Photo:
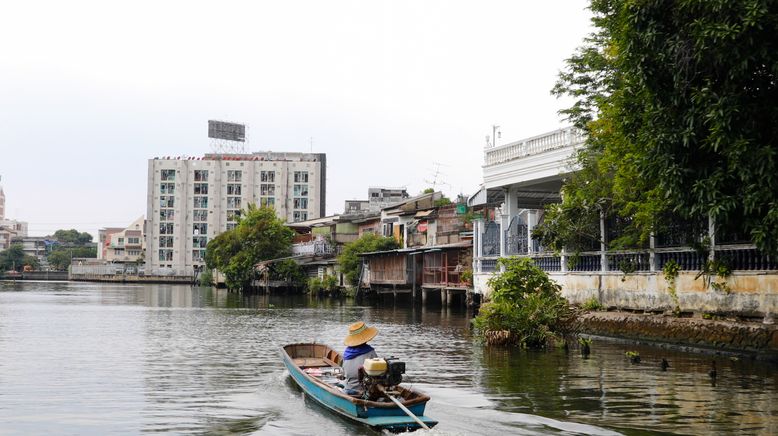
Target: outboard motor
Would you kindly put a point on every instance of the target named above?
(385, 372)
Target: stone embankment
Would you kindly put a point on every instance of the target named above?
(756, 339)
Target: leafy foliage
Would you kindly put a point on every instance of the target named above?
(349, 260)
(259, 235)
(72, 237)
(526, 303)
(289, 271)
(680, 105)
(14, 259)
(59, 258)
(205, 277)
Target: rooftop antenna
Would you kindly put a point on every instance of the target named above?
(436, 175)
(311, 141)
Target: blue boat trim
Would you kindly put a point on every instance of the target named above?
(374, 414)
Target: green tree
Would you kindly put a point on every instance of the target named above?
(679, 101)
(72, 237)
(289, 271)
(59, 259)
(259, 235)
(13, 259)
(349, 260)
(525, 308)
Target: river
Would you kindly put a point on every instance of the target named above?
(89, 358)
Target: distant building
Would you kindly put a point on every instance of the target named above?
(190, 201)
(123, 245)
(9, 229)
(2, 204)
(380, 197)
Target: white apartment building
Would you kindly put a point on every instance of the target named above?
(191, 200)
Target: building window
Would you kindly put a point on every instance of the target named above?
(165, 242)
(166, 214)
(267, 176)
(167, 175)
(121, 241)
(200, 229)
(166, 201)
(201, 189)
(133, 241)
(167, 188)
(165, 255)
(301, 176)
(300, 190)
(267, 201)
(301, 203)
(231, 226)
(267, 189)
(199, 215)
(165, 228)
(198, 255)
(299, 216)
(233, 189)
(199, 241)
(201, 202)
(233, 202)
(200, 175)
(233, 215)
(234, 175)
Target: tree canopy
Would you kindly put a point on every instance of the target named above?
(72, 237)
(259, 235)
(14, 259)
(679, 101)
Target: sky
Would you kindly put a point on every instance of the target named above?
(391, 91)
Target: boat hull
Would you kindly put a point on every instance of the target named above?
(384, 416)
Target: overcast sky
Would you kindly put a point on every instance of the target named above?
(89, 91)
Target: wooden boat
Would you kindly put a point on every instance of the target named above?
(314, 367)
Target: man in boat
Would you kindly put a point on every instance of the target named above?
(357, 350)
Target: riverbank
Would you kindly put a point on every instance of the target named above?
(722, 336)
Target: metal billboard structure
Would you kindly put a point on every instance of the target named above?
(226, 137)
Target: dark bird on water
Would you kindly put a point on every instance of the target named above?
(665, 364)
(713, 373)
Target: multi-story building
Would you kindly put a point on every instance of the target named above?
(125, 245)
(9, 229)
(190, 201)
(2, 204)
(380, 197)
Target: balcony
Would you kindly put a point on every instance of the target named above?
(313, 248)
(541, 157)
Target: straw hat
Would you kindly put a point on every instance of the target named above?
(359, 333)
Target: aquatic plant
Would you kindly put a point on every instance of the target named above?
(592, 304)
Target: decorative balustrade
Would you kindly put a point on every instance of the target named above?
(568, 137)
(735, 257)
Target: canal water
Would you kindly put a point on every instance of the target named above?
(82, 358)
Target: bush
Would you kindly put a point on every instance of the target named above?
(526, 307)
(206, 277)
(592, 304)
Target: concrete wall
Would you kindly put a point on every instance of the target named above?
(751, 293)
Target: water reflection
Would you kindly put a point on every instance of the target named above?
(99, 358)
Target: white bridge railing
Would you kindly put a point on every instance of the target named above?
(567, 137)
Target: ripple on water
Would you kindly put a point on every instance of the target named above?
(94, 358)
